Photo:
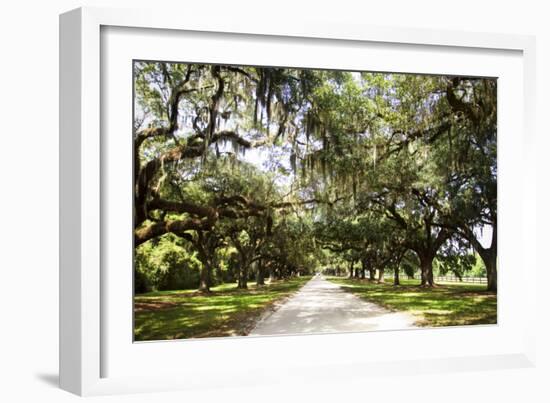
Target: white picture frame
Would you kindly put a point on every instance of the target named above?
(84, 340)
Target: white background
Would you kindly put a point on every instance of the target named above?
(28, 200)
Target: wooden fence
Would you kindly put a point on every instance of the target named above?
(452, 279)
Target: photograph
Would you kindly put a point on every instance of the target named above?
(275, 200)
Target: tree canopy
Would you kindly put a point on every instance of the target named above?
(252, 171)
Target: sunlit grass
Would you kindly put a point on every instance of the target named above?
(448, 304)
(227, 311)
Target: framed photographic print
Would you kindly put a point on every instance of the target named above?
(264, 193)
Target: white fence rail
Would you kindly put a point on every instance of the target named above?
(452, 279)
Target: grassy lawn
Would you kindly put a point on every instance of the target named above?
(227, 311)
(448, 304)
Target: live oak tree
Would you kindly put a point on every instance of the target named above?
(371, 163)
(206, 243)
(447, 130)
(248, 241)
(459, 135)
(406, 204)
(187, 115)
(474, 159)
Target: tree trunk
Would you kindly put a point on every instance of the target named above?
(260, 273)
(243, 275)
(242, 283)
(351, 270)
(488, 255)
(490, 261)
(426, 270)
(204, 284)
(396, 276)
(206, 264)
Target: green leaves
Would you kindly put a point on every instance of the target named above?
(387, 159)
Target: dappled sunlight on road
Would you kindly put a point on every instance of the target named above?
(321, 306)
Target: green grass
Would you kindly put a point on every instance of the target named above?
(448, 304)
(226, 311)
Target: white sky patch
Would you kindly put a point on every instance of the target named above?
(257, 156)
(266, 160)
(356, 76)
(485, 235)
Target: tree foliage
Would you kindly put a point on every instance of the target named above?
(257, 171)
